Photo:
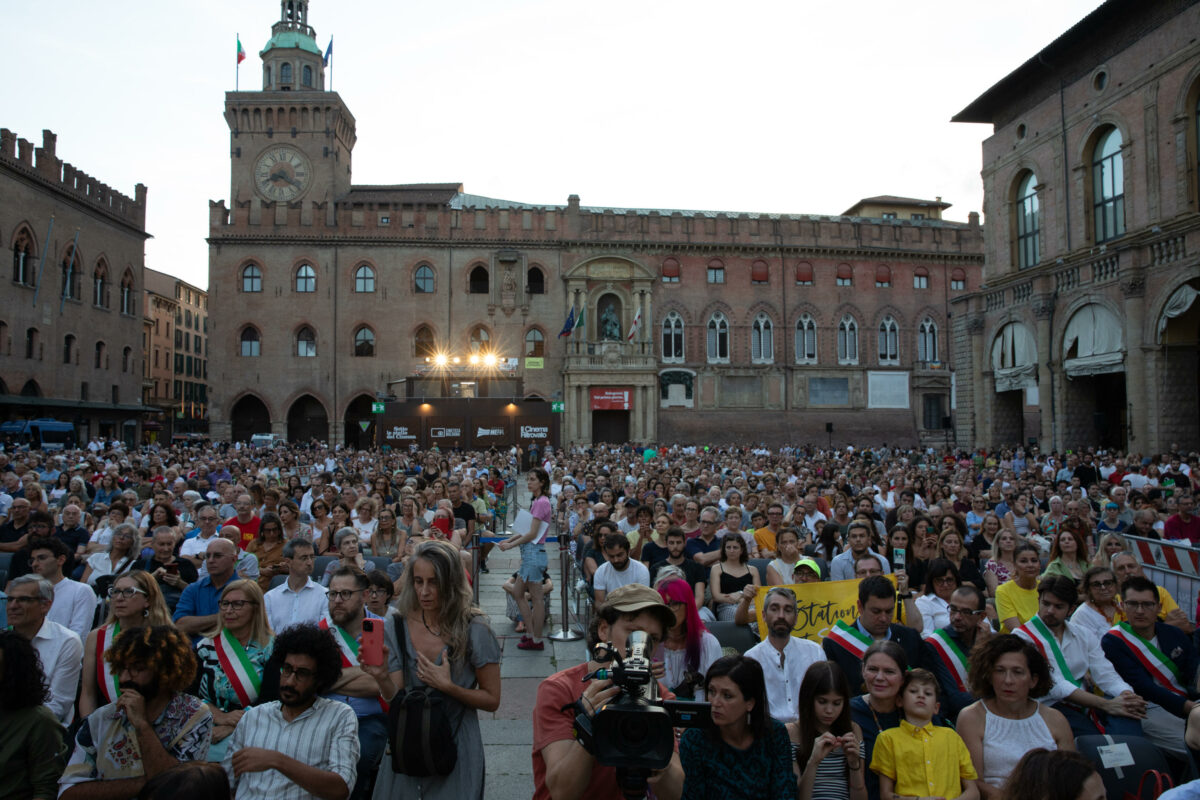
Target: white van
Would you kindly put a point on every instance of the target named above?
(267, 440)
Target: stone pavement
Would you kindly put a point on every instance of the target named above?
(508, 733)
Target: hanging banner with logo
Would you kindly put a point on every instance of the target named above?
(400, 431)
(532, 429)
(446, 431)
(611, 399)
(491, 432)
(818, 607)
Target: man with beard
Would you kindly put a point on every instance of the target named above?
(784, 658)
(302, 745)
(152, 726)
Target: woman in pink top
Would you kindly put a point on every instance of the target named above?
(533, 560)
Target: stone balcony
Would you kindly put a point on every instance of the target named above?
(609, 355)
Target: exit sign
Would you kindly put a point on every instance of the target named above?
(376, 408)
(557, 407)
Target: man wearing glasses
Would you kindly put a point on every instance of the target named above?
(193, 549)
(705, 549)
(299, 599)
(61, 651)
(946, 650)
(197, 609)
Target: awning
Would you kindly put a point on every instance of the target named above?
(1014, 358)
(1095, 334)
(1181, 300)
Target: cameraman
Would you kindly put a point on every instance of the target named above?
(562, 768)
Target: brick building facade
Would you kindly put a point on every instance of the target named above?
(1085, 329)
(694, 324)
(177, 354)
(71, 317)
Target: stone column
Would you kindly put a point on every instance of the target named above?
(1043, 311)
(1133, 290)
(981, 401)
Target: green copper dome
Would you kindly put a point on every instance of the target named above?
(291, 39)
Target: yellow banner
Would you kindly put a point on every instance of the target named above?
(818, 607)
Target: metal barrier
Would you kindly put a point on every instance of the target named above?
(568, 631)
(1173, 565)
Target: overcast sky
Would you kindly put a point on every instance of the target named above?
(761, 106)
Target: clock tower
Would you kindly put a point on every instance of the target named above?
(291, 142)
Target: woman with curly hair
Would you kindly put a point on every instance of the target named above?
(440, 640)
(152, 726)
(134, 601)
(32, 753)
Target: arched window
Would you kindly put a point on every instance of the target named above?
(23, 259)
(100, 285)
(306, 343)
(251, 278)
(1028, 222)
(285, 73)
(927, 341)
(68, 349)
(535, 281)
(883, 276)
(848, 340)
(921, 278)
(127, 293)
(31, 342)
(760, 273)
(425, 346)
(845, 275)
(364, 279)
(478, 340)
(100, 352)
(251, 342)
(1108, 187)
(804, 274)
(423, 280)
(307, 76)
(716, 271)
(306, 279)
(535, 344)
(958, 279)
(670, 270)
(672, 338)
(762, 340)
(125, 354)
(477, 283)
(889, 341)
(806, 340)
(70, 276)
(718, 339)
(364, 342)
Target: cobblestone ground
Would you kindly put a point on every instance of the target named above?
(508, 733)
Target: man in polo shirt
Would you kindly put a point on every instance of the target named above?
(245, 520)
(784, 657)
(299, 599)
(197, 609)
(946, 650)
(193, 549)
(858, 545)
(876, 610)
(765, 536)
(705, 549)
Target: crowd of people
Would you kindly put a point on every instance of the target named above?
(169, 626)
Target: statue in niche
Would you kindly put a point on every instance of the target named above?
(510, 281)
(610, 326)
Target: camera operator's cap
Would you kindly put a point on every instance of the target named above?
(808, 562)
(635, 597)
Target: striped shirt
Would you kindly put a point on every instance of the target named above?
(325, 736)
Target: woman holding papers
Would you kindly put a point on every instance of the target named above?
(530, 534)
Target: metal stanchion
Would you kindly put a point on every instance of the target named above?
(475, 544)
(566, 632)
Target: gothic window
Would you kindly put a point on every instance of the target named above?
(672, 338)
(364, 279)
(70, 277)
(847, 342)
(1028, 222)
(425, 347)
(478, 282)
(100, 351)
(762, 340)
(718, 339)
(306, 343)
(535, 344)
(889, 341)
(251, 278)
(806, 340)
(23, 263)
(364, 342)
(927, 341)
(100, 285)
(125, 354)
(479, 340)
(423, 280)
(1108, 187)
(306, 279)
(251, 342)
(535, 281)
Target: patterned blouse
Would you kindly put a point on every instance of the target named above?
(213, 685)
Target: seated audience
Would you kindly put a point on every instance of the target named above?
(846, 643)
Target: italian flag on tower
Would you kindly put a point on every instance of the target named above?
(241, 54)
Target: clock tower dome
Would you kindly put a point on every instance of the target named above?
(290, 142)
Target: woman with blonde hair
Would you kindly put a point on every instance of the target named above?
(231, 658)
(134, 601)
(440, 640)
(364, 519)
(1110, 545)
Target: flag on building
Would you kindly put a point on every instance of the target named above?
(579, 319)
(569, 325)
(637, 323)
(241, 54)
(329, 51)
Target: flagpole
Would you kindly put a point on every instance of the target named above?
(237, 66)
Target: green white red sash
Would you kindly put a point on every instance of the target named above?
(349, 649)
(106, 681)
(1161, 668)
(240, 671)
(951, 655)
(1044, 641)
(849, 637)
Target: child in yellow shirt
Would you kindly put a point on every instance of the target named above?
(920, 760)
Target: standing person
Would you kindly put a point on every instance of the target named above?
(302, 745)
(150, 728)
(1008, 675)
(231, 659)
(447, 646)
(74, 603)
(785, 658)
(746, 754)
(32, 742)
(533, 559)
(60, 650)
(688, 649)
(826, 743)
(946, 649)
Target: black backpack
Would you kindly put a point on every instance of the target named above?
(419, 732)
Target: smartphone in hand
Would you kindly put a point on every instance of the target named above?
(370, 652)
(899, 555)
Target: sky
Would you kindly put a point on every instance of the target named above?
(786, 106)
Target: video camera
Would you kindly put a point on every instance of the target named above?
(635, 732)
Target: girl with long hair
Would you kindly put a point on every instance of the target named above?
(687, 649)
(827, 745)
(1069, 553)
(533, 559)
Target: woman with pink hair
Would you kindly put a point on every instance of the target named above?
(688, 649)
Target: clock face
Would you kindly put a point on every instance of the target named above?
(281, 173)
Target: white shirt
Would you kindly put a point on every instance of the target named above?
(935, 614)
(784, 672)
(286, 607)
(74, 606)
(1083, 654)
(197, 545)
(325, 736)
(61, 652)
(607, 578)
(842, 566)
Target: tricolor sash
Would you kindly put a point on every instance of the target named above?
(106, 681)
(349, 649)
(1161, 668)
(849, 637)
(1044, 641)
(242, 675)
(951, 655)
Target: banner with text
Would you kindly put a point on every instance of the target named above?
(446, 431)
(402, 431)
(532, 430)
(612, 399)
(818, 606)
(490, 432)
